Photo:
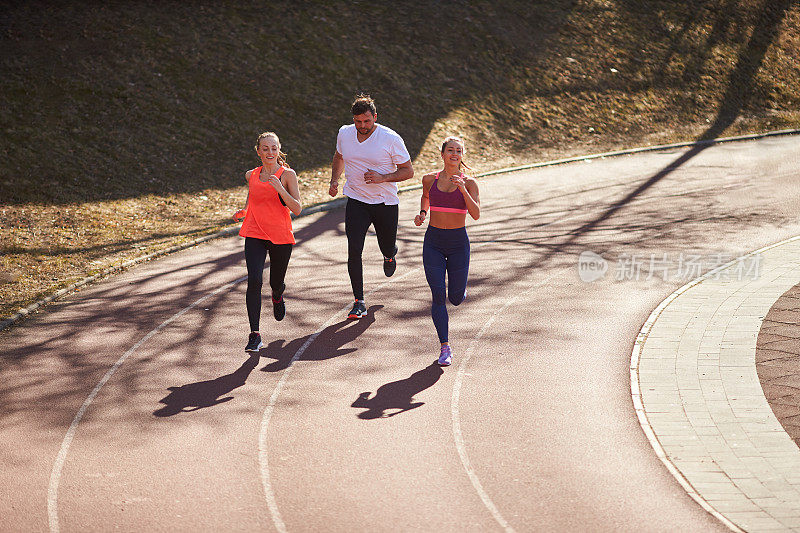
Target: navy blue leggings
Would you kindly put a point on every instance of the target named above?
(445, 250)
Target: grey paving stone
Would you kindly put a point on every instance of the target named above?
(793, 523)
(725, 504)
(720, 490)
(768, 503)
(752, 488)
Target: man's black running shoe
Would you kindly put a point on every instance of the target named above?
(278, 309)
(390, 264)
(254, 343)
(359, 310)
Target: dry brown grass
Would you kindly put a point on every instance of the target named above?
(127, 128)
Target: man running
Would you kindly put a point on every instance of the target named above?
(374, 158)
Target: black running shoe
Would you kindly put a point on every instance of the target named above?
(359, 310)
(390, 264)
(278, 309)
(254, 343)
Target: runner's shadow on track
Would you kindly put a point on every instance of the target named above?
(328, 344)
(195, 396)
(397, 396)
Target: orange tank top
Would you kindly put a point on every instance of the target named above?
(267, 218)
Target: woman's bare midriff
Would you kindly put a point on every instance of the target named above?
(442, 220)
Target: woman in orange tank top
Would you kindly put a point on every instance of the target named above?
(267, 229)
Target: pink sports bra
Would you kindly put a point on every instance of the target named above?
(447, 202)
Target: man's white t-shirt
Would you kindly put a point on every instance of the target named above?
(381, 152)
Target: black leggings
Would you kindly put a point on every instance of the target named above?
(255, 254)
(357, 218)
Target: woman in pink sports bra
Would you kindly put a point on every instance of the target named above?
(449, 195)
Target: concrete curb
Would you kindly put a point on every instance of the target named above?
(339, 202)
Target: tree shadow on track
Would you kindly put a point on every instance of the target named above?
(330, 343)
(195, 396)
(740, 92)
(397, 396)
(195, 290)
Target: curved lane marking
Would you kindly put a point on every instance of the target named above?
(58, 466)
(263, 450)
(458, 436)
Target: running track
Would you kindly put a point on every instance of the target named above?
(131, 404)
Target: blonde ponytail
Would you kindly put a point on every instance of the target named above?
(281, 155)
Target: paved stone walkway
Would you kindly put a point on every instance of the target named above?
(700, 401)
(778, 360)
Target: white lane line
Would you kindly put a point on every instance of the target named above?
(457, 385)
(458, 436)
(58, 466)
(263, 450)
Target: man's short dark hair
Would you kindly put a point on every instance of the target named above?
(362, 104)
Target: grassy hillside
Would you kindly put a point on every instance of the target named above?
(127, 126)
